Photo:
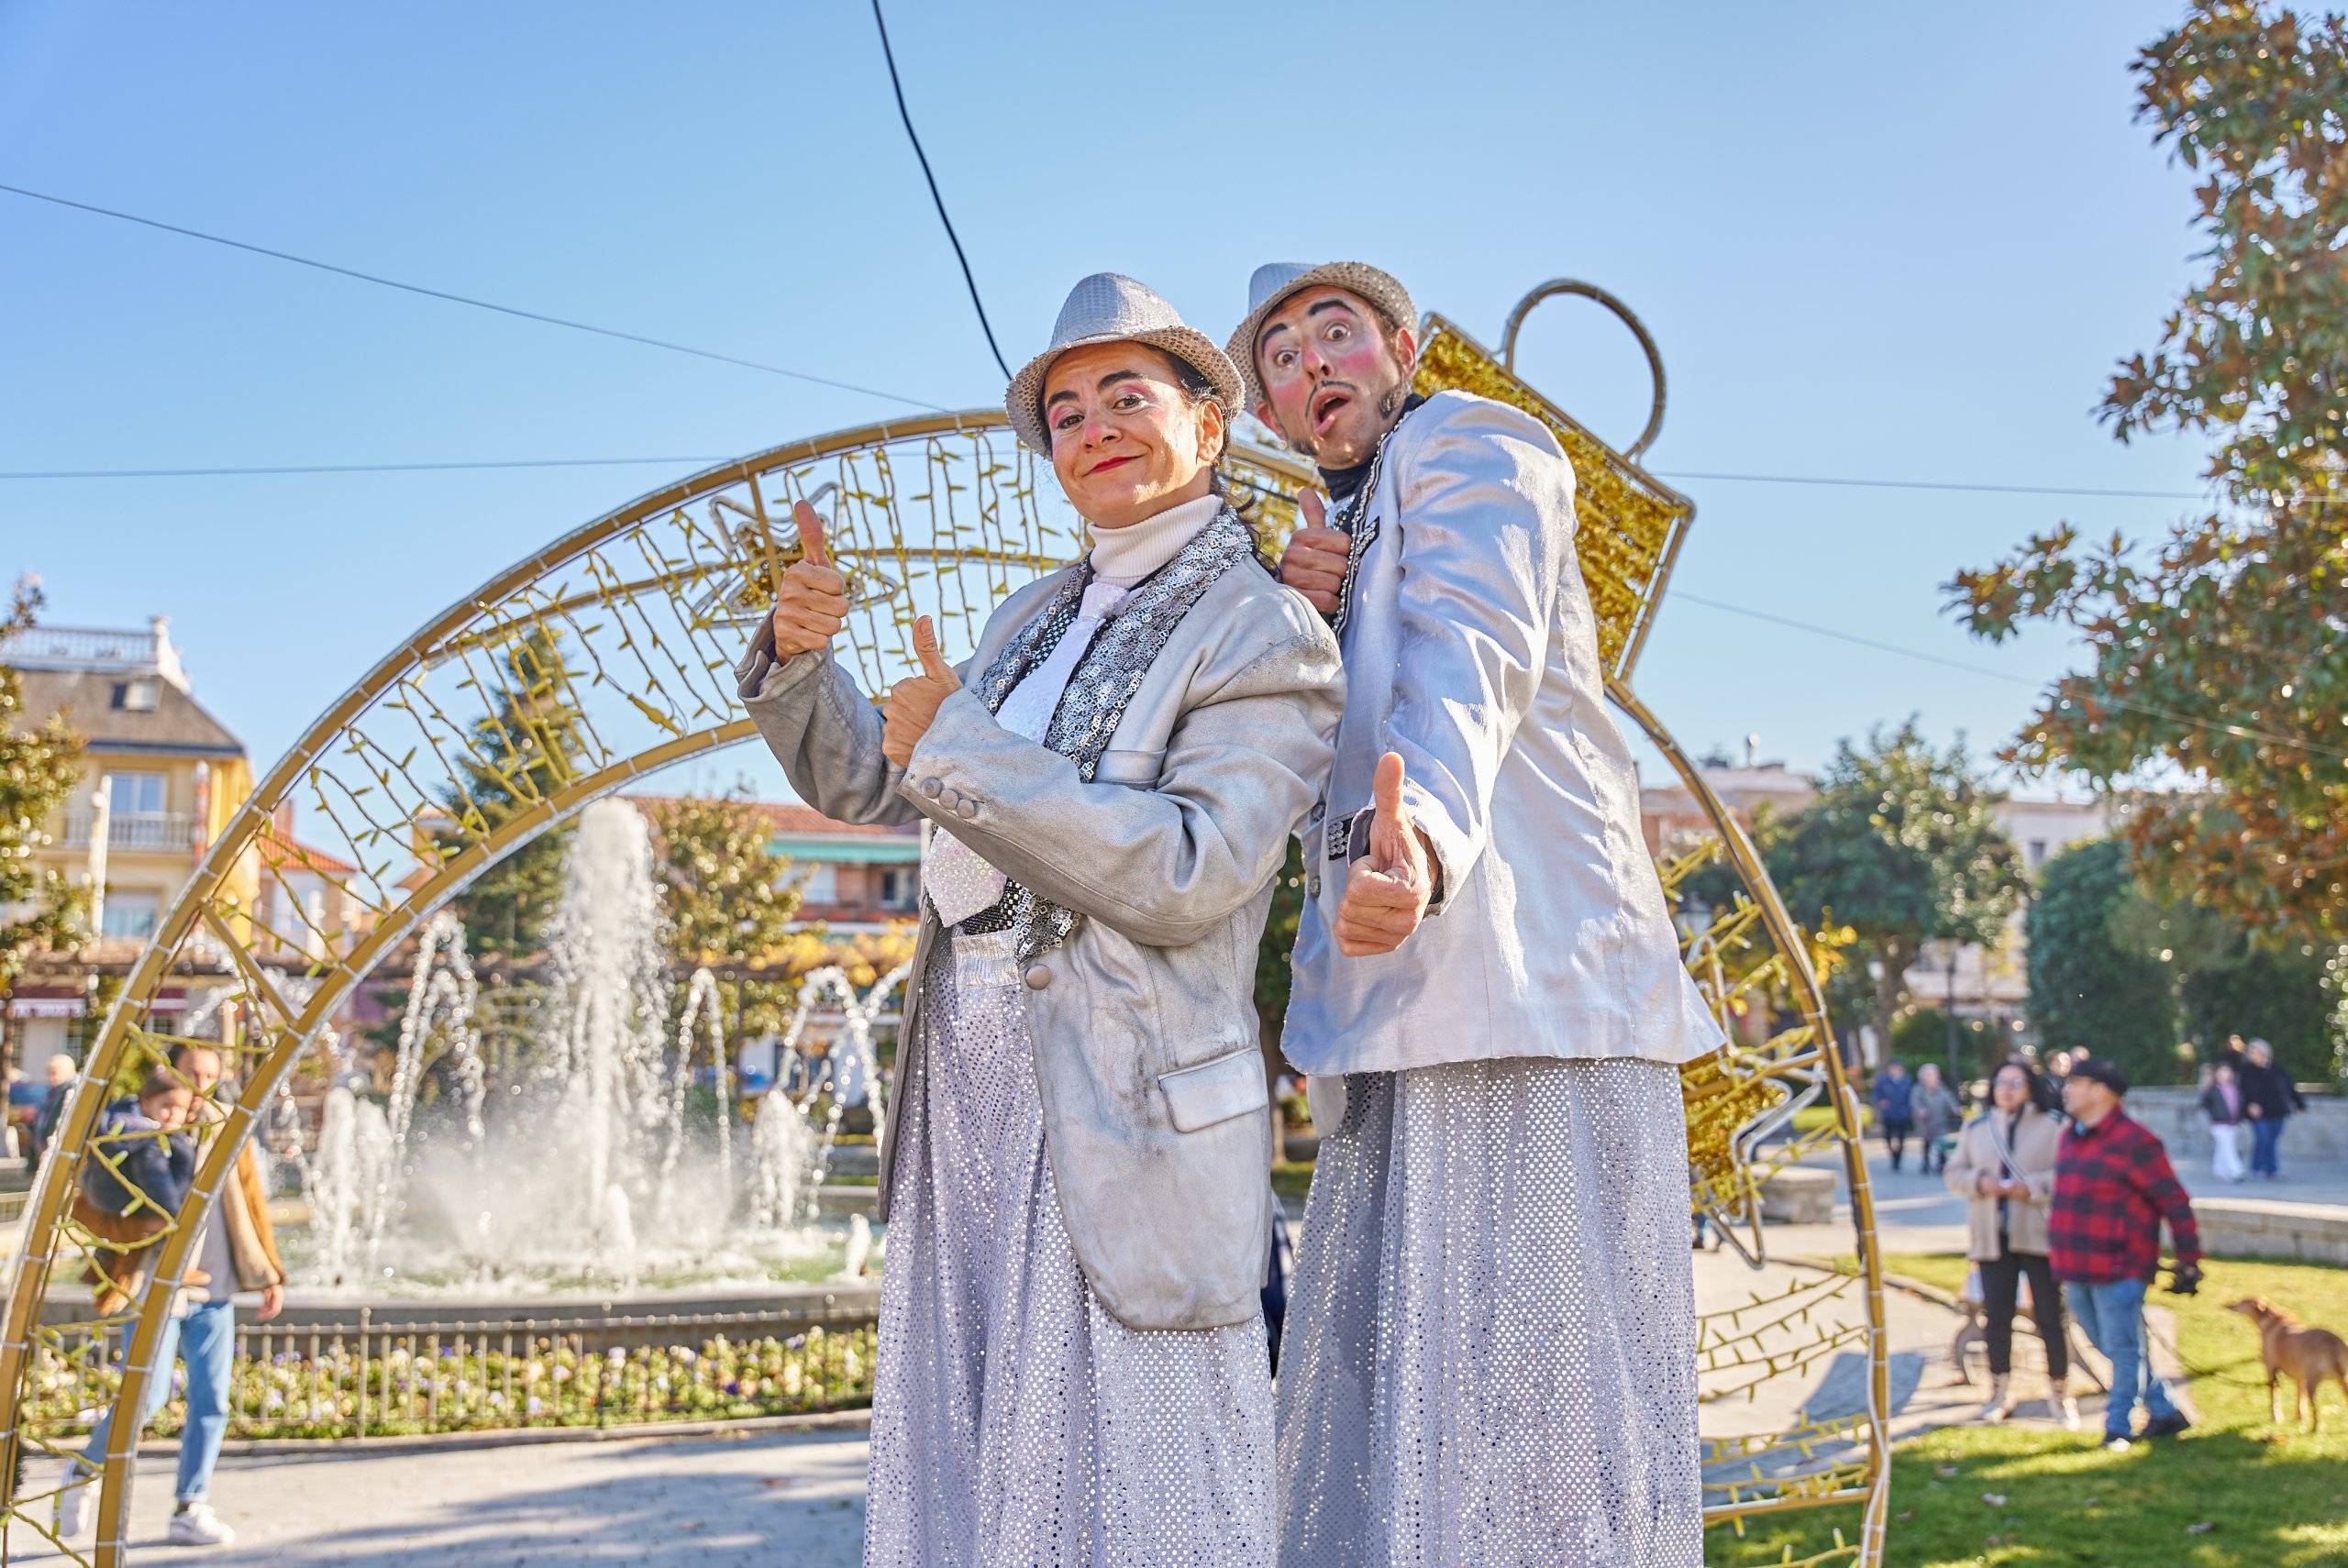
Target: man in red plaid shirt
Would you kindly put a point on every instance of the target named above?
(2113, 1187)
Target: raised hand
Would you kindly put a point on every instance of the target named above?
(812, 604)
(913, 702)
(1386, 890)
(1314, 562)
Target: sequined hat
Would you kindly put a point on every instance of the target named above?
(1275, 280)
(1109, 307)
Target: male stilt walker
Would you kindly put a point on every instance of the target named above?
(1489, 1355)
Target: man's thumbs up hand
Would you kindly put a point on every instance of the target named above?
(812, 604)
(1314, 561)
(914, 701)
(1387, 889)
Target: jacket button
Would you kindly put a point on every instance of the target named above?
(931, 788)
(969, 809)
(1038, 976)
(949, 798)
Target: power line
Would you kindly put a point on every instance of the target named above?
(622, 462)
(515, 311)
(938, 200)
(1841, 482)
(2238, 731)
(357, 468)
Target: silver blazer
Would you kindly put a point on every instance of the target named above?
(1144, 1023)
(1470, 648)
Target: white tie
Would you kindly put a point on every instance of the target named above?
(958, 879)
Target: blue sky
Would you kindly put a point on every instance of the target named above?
(1884, 241)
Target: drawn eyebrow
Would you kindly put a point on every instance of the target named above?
(1111, 378)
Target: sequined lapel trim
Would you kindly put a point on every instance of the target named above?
(1105, 680)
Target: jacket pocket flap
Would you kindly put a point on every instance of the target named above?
(1216, 1090)
(1138, 769)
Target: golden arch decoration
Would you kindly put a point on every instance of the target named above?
(940, 515)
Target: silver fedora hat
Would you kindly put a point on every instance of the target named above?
(1276, 280)
(1109, 307)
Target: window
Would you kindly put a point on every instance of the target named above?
(821, 885)
(899, 889)
(136, 696)
(2037, 853)
(132, 914)
(136, 794)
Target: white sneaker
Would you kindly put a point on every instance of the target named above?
(197, 1525)
(73, 1503)
(2067, 1412)
(2001, 1402)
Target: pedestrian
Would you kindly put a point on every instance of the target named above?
(2221, 1102)
(2113, 1187)
(237, 1250)
(2272, 1099)
(1073, 1365)
(1937, 1113)
(62, 1074)
(1488, 1350)
(2004, 1168)
(1894, 1096)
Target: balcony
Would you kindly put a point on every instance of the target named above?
(135, 831)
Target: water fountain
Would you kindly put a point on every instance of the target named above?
(595, 1160)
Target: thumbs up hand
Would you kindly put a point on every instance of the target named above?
(1387, 890)
(914, 701)
(812, 603)
(1314, 562)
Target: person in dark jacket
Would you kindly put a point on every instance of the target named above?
(151, 1158)
(2273, 1098)
(1893, 1116)
(63, 1075)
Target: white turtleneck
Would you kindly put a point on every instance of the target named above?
(1126, 556)
(959, 881)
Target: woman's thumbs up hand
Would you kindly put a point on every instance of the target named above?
(914, 701)
(1388, 890)
(812, 604)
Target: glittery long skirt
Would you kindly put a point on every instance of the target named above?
(1489, 1356)
(1016, 1424)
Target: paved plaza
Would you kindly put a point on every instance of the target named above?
(794, 1500)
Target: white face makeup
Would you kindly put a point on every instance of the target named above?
(1127, 441)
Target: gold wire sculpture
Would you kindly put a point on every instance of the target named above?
(634, 623)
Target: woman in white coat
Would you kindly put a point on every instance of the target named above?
(1072, 1367)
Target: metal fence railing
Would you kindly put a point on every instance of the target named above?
(366, 1379)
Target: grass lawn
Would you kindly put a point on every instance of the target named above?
(2233, 1493)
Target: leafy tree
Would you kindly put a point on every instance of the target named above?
(2222, 656)
(1902, 846)
(1276, 957)
(39, 767)
(525, 749)
(2259, 992)
(2098, 983)
(726, 898)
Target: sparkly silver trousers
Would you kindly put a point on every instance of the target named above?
(1015, 1424)
(1489, 1357)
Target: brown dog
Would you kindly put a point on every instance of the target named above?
(2309, 1356)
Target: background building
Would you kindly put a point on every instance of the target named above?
(161, 777)
(1971, 981)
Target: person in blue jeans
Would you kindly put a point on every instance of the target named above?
(2113, 1189)
(2272, 1099)
(236, 1249)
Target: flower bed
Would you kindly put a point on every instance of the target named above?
(361, 1380)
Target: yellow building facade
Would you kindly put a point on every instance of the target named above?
(160, 780)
